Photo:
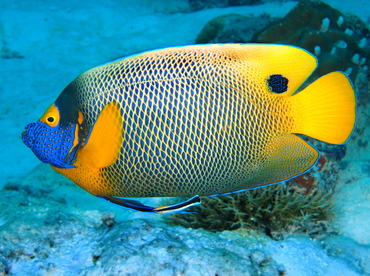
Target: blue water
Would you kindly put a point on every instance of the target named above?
(49, 226)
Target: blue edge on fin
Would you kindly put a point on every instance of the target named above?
(138, 206)
(178, 207)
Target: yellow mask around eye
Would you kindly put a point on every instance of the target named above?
(51, 116)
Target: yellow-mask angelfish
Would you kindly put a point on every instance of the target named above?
(188, 121)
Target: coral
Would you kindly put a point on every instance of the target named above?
(301, 205)
(304, 204)
(196, 5)
(274, 210)
(231, 27)
(307, 180)
(340, 42)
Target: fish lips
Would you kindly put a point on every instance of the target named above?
(31, 138)
(30, 134)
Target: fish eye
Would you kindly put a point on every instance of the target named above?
(278, 83)
(51, 116)
(50, 119)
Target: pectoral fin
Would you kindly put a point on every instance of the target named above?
(103, 145)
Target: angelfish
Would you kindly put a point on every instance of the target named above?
(192, 121)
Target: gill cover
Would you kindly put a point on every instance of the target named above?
(52, 142)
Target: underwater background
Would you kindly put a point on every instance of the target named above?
(316, 224)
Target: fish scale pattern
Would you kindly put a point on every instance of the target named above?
(193, 122)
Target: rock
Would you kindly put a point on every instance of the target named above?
(48, 238)
(340, 42)
(196, 5)
(231, 28)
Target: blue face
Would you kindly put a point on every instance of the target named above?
(52, 143)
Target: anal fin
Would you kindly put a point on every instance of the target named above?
(138, 206)
(284, 157)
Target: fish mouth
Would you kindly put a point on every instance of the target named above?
(35, 136)
(30, 133)
(26, 138)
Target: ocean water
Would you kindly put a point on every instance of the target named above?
(49, 226)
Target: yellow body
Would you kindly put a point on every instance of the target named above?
(204, 120)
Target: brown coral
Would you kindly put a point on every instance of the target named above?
(340, 42)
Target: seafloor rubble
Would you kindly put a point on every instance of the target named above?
(49, 226)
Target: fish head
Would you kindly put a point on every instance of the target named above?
(52, 139)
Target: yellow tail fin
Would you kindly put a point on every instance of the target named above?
(326, 109)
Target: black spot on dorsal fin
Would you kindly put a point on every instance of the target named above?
(278, 83)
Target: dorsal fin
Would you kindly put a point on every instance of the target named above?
(256, 61)
(262, 61)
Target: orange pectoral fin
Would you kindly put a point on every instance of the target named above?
(105, 141)
(101, 150)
